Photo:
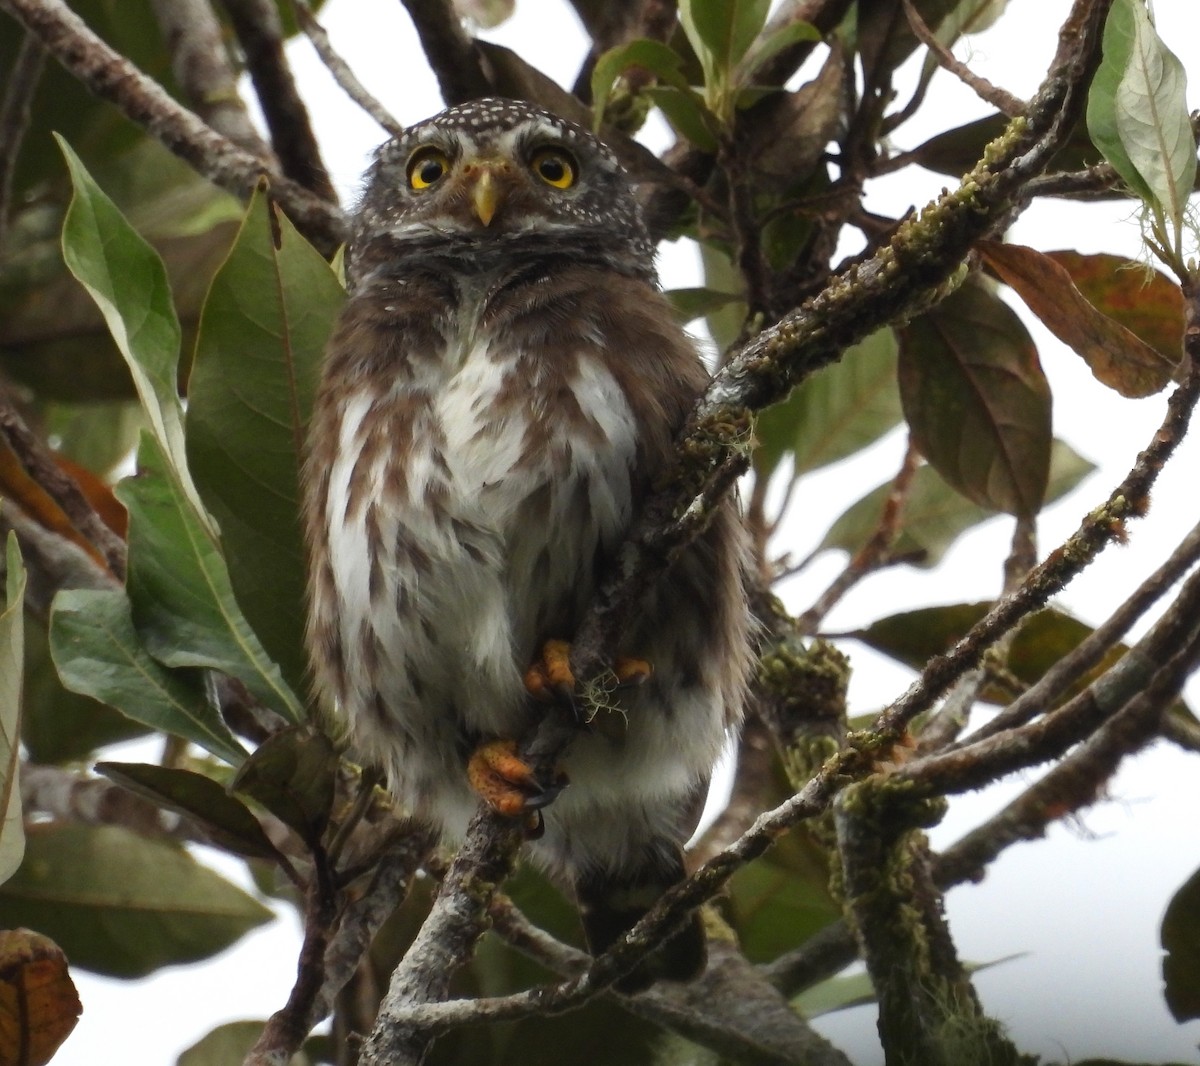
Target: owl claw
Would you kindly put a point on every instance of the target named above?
(509, 784)
(551, 680)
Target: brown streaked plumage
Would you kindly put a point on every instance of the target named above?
(501, 392)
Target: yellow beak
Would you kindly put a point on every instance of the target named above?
(486, 196)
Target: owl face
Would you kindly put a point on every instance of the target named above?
(493, 179)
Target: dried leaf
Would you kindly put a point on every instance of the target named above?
(1117, 357)
(39, 1006)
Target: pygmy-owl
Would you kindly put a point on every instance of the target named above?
(500, 394)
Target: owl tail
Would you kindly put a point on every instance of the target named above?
(611, 905)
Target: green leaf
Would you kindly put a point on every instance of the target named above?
(1137, 113)
(956, 151)
(294, 775)
(183, 602)
(12, 667)
(934, 515)
(226, 819)
(60, 726)
(128, 281)
(120, 904)
(834, 994)
(687, 113)
(914, 637)
(1180, 938)
(724, 30)
(691, 304)
(263, 330)
(836, 412)
(977, 401)
(656, 57)
(784, 37)
(98, 653)
(782, 898)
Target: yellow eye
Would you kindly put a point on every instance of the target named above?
(554, 166)
(426, 166)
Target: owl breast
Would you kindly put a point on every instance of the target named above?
(467, 508)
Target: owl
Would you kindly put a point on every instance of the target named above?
(497, 400)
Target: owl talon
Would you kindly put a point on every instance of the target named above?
(509, 784)
(551, 680)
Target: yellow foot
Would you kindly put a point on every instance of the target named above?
(550, 678)
(508, 783)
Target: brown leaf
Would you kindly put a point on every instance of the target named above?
(1144, 300)
(38, 1002)
(977, 401)
(16, 485)
(1116, 356)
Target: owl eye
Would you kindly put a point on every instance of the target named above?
(426, 166)
(554, 166)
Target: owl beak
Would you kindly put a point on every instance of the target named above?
(486, 195)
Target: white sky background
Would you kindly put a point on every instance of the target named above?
(1084, 906)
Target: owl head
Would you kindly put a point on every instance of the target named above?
(494, 184)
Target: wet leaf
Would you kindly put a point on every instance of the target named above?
(39, 1006)
(262, 334)
(977, 401)
(934, 515)
(121, 904)
(12, 672)
(834, 413)
(1180, 938)
(223, 816)
(293, 775)
(1145, 301)
(183, 603)
(98, 653)
(1116, 356)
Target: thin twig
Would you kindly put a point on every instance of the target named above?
(999, 98)
(14, 119)
(39, 463)
(874, 554)
(112, 77)
(340, 69)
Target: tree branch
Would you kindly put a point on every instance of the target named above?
(260, 32)
(450, 50)
(201, 66)
(142, 100)
(39, 463)
(14, 119)
(341, 71)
